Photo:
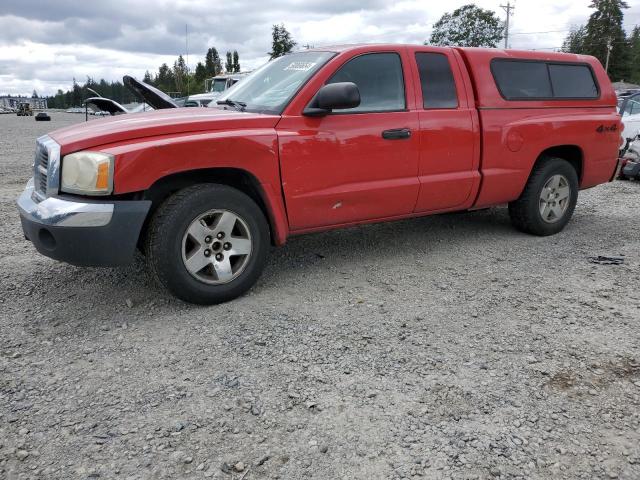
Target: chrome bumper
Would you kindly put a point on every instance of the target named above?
(54, 211)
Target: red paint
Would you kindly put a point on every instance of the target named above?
(326, 172)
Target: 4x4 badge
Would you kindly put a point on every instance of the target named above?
(603, 128)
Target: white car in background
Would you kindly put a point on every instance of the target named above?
(199, 100)
(630, 111)
(219, 84)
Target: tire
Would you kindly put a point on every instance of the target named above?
(526, 212)
(171, 249)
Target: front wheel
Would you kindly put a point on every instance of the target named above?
(207, 244)
(548, 200)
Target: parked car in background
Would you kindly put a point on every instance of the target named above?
(630, 163)
(152, 98)
(199, 100)
(42, 117)
(222, 82)
(629, 109)
(218, 85)
(323, 139)
(24, 110)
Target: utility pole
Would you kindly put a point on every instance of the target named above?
(609, 48)
(509, 9)
(186, 43)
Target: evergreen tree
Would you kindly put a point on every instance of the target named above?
(634, 55)
(200, 73)
(165, 79)
(236, 62)
(180, 74)
(147, 78)
(468, 26)
(228, 66)
(34, 94)
(282, 41)
(199, 76)
(575, 41)
(103, 88)
(76, 94)
(604, 34)
(212, 62)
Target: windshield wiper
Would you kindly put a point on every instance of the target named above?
(233, 103)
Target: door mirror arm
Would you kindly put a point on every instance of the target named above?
(310, 111)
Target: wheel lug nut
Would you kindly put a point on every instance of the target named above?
(207, 253)
(227, 246)
(219, 257)
(208, 239)
(220, 235)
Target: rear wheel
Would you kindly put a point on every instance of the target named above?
(548, 200)
(208, 243)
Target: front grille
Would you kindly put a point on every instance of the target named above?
(41, 168)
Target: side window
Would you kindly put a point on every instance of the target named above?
(522, 80)
(379, 79)
(436, 78)
(572, 81)
(538, 80)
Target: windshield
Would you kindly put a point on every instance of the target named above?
(219, 85)
(269, 89)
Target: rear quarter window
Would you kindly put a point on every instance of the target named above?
(539, 80)
(572, 81)
(436, 79)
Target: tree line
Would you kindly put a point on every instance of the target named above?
(603, 36)
(176, 80)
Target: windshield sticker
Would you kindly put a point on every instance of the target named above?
(300, 66)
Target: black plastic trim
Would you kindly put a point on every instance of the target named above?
(111, 245)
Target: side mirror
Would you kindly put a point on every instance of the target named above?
(334, 96)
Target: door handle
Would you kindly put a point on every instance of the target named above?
(396, 134)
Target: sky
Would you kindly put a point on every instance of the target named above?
(44, 44)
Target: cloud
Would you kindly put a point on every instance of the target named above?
(44, 45)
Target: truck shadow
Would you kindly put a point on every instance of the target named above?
(114, 296)
(404, 241)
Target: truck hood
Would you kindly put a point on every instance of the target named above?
(159, 122)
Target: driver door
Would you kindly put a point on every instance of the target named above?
(354, 165)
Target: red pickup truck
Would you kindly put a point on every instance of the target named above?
(322, 139)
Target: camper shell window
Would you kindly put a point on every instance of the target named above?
(544, 80)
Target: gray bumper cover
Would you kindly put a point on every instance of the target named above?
(80, 232)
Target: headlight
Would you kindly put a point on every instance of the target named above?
(88, 173)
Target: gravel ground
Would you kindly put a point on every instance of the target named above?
(442, 347)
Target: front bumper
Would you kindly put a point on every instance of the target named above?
(82, 232)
